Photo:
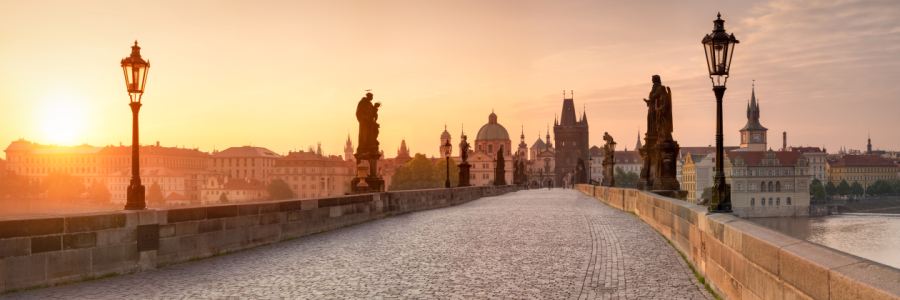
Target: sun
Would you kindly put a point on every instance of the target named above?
(62, 119)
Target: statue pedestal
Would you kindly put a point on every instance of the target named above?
(609, 173)
(464, 174)
(648, 154)
(373, 180)
(667, 157)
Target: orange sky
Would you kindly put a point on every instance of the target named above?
(288, 74)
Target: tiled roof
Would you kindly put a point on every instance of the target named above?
(539, 144)
(311, 159)
(806, 149)
(862, 161)
(754, 158)
(628, 157)
(153, 150)
(596, 151)
(246, 151)
(19, 145)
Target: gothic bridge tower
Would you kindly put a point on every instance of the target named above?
(571, 137)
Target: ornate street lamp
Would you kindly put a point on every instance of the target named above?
(719, 48)
(135, 69)
(447, 150)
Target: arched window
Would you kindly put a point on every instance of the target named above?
(778, 201)
(490, 148)
(762, 186)
(771, 187)
(788, 200)
(762, 202)
(770, 201)
(778, 186)
(752, 202)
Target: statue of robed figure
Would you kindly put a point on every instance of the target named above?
(367, 149)
(500, 172)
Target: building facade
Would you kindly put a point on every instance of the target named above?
(236, 190)
(818, 165)
(312, 175)
(865, 169)
(172, 184)
(244, 162)
(768, 183)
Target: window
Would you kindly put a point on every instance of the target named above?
(788, 200)
(778, 201)
(788, 185)
(752, 202)
(778, 186)
(770, 201)
(771, 187)
(762, 186)
(490, 148)
(762, 202)
(739, 186)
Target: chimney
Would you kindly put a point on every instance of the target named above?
(784, 141)
(157, 143)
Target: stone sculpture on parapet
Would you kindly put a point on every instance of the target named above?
(660, 150)
(580, 173)
(500, 171)
(367, 115)
(609, 161)
(464, 166)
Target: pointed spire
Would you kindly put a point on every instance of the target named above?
(638, 146)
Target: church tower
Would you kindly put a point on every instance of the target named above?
(571, 136)
(753, 135)
(869, 146)
(638, 145)
(523, 147)
(348, 149)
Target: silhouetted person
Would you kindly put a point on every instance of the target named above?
(549, 186)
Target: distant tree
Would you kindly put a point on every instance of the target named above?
(895, 187)
(626, 179)
(223, 198)
(440, 172)
(416, 174)
(856, 189)
(817, 190)
(99, 192)
(62, 187)
(707, 192)
(155, 194)
(830, 189)
(14, 185)
(843, 188)
(278, 190)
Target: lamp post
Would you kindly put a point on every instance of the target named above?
(135, 69)
(590, 169)
(447, 150)
(719, 48)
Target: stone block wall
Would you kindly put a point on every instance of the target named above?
(51, 250)
(742, 260)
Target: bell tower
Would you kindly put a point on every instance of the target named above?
(753, 135)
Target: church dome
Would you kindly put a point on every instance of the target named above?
(492, 130)
(446, 134)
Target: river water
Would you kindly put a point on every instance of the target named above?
(872, 236)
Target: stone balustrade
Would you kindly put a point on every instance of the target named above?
(46, 251)
(742, 260)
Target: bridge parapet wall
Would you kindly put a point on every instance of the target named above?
(742, 260)
(47, 251)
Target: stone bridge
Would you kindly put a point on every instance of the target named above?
(469, 243)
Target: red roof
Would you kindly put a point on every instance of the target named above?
(628, 157)
(862, 161)
(153, 150)
(246, 151)
(753, 158)
(596, 151)
(704, 150)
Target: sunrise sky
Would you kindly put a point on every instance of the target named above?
(287, 74)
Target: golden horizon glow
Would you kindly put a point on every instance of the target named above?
(286, 74)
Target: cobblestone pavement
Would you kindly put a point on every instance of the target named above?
(536, 244)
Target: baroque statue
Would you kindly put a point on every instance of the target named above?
(367, 115)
